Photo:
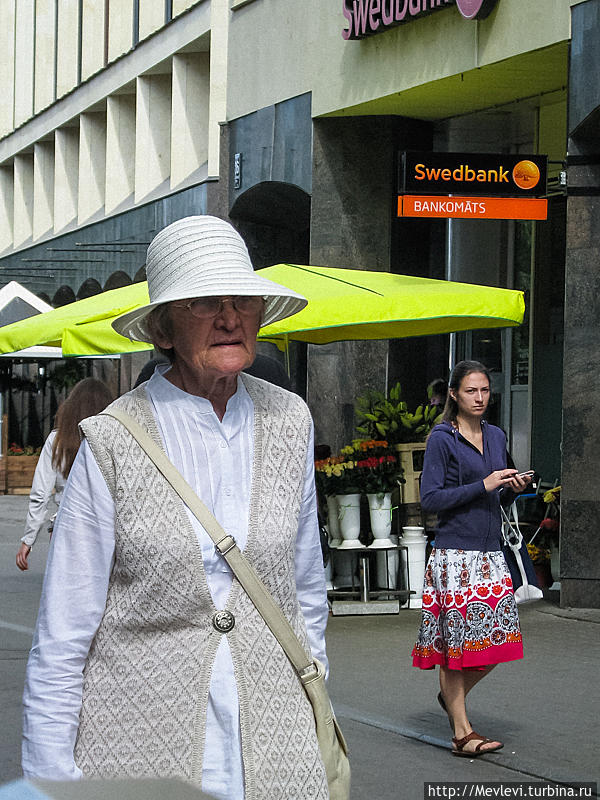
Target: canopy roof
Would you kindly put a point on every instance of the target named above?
(360, 304)
(82, 328)
(18, 303)
(343, 304)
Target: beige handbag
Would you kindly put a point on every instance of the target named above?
(311, 673)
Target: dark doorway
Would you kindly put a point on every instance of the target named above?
(274, 220)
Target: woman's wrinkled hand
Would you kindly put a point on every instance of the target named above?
(22, 554)
(499, 479)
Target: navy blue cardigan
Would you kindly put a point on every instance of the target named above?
(469, 518)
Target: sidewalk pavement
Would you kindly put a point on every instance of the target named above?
(543, 707)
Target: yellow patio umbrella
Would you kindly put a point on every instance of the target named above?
(82, 328)
(347, 304)
(343, 304)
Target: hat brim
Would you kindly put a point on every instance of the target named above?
(280, 302)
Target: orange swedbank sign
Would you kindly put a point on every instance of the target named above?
(500, 174)
(367, 17)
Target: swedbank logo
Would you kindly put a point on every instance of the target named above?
(474, 173)
(526, 174)
(367, 17)
(473, 9)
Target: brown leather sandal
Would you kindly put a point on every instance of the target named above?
(460, 743)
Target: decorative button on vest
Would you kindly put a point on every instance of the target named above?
(223, 621)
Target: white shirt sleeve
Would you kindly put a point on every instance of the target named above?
(44, 480)
(310, 574)
(71, 607)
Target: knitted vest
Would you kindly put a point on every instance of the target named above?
(148, 672)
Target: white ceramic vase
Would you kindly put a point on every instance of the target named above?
(333, 522)
(380, 511)
(349, 517)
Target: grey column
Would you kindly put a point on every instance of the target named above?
(580, 503)
(351, 213)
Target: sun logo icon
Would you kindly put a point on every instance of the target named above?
(526, 174)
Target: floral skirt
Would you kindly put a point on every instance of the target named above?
(469, 617)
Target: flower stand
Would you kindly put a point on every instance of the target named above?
(387, 567)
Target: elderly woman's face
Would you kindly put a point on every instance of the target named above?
(221, 345)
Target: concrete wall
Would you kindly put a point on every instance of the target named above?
(353, 181)
(135, 130)
(56, 48)
(580, 507)
(300, 47)
(73, 264)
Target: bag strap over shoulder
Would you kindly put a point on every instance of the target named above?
(227, 547)
(511, 533)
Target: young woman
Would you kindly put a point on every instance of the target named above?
(87, 398)
(469, 621)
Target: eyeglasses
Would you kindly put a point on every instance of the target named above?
(209, 307)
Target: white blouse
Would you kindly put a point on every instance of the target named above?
(216, 459)
(46, 479)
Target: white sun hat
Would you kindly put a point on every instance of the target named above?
(203, 257)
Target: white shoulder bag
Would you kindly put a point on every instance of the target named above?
(513, 539)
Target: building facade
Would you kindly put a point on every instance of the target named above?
(290, 119)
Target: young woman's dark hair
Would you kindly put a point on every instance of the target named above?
(86, 399)
(460, 371)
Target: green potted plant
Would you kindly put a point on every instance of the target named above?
(381, 417)
(388, 417)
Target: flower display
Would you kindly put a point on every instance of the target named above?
(336, 475)
(366, 466)
(377, 466)
(15, 450)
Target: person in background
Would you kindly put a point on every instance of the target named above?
(437, 391)
(149, 659)
(469, 618)
(87, 398)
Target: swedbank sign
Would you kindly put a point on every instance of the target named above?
(508, 175)
(366, 17)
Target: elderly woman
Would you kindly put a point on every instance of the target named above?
(131, 673)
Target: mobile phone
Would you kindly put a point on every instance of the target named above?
(528, 473)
